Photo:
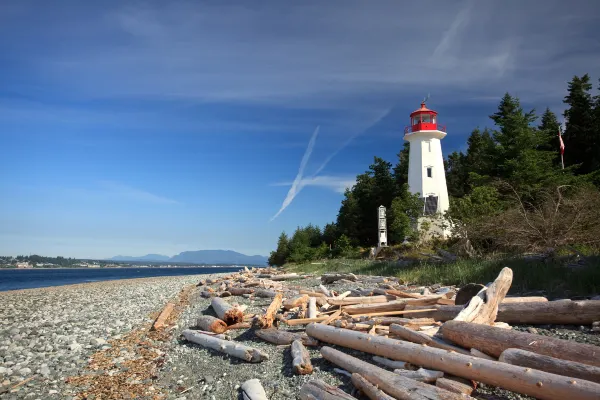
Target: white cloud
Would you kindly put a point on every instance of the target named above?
(128, 192)
(338, 184)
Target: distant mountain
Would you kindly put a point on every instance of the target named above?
(200, 257)
(147, 257)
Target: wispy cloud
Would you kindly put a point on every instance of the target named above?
(128, 192)
(338, 184)
(296, 187)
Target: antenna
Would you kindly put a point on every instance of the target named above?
(426, 98)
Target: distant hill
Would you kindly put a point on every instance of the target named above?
(200, 257)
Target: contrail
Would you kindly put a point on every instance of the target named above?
(296, 187)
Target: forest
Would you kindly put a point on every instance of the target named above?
(509, 192)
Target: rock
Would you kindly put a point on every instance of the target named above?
(75, 347)
(98, 342)
(52, 391)
(24, 371)
(3, 370)
(44, 370)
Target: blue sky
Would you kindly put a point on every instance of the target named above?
(159, 127)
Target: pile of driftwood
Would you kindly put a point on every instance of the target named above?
(427, 345)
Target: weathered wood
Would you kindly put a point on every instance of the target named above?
(344, 295)
(281, 337)
(161, 321)
(421, 375)
(421, 338)
(226, 312)
(390, 363)
(300, 358)
(288, 304)
(401, 312)
(454, 386)
(483, 308)
(493, 341)
(266, 320)
(332, 317)
(563, 312)
(359, 300)
(319, 390)
(530, 299)
(225, 346)
(303, 310)
(285, 277)
(507, 376)
(391, 383)
(330, 278)
(305, 321)
(553, 365)
(477, 353)
(312, 307)
(253, 390)
(369, 390)
(239, 325)
(395, 305)
(325, 291)
(405, 295)
(311, 293)
(400, 321)
(235, 291)
(211, 324)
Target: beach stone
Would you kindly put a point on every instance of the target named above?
(75, 346)
(98, 342)
(3, 370)
(24, 371)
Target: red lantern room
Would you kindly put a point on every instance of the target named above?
(423, 119)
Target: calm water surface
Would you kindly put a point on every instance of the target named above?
(12, 279)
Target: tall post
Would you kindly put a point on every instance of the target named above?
(382, 228)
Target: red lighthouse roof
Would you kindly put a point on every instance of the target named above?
(423, 109)
(423, 119)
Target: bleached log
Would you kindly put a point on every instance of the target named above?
(211, 324)
(493, 341)
(530, 299)
(330, 278)
(477, 353)
(553, 365)
(225, 346)
(239, 325)
(311, 293)
(226, 312)
(325, 291)
(343, 295)
(400, 321)
(454, 386)
(336, 315)
(303, 310)
(305, 321)
(483, 308)
(369, 390)
(300, 358)
(285, 277)
(421, 375)
(421, 338)
(312, 307)
(563, 312)
(288, 304)
(535, 383)
(235, 291)
(265, 293)
(266, 320)
(253, 390)
(161, 321)
(395, 305)
(390, 363)
(404, 295)
(281, 337)
(391, 383)
(359, 300)
(319, 390)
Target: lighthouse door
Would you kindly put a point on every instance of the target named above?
(431, 205)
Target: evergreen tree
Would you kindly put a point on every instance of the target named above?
(480, 158)
(549, 128)
(400, 171)
(581, 136)
(282, 254)
(330, 233)
(457, 174)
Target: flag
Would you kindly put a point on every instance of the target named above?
(562, 144)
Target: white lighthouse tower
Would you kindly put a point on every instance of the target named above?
(426, 174)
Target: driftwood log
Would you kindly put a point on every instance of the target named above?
(454, 386)
(225, 346)
(330, 278)
(421, 338)
(319, 390)
(300, 358)
(553, 365)
(369, 390)
(288, 304)
(161, 321)
(235, 291)
(253, 390)
(390, 363)
(324, 290)
(391, 383)
(395, 305)
(421, 375)
(399, 321)
(347, 301)
(285, 277)
(311, 293)
(530, 299)
(211, 324)
(226, 312)
(266, 320)
(563, 312)
(493, 341)
(539, 384)
(265, 293)
(312, 307)
(281, 337)
(483, 308)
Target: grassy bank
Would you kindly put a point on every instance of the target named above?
(553, 277)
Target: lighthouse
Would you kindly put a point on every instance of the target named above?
(426, 174)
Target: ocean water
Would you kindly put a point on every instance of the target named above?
(12, 279)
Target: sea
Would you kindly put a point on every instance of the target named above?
(13, 279)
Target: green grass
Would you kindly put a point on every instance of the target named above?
(554, 278)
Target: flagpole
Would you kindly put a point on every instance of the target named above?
(562, 161)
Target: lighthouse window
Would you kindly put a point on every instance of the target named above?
(429, 172)
(416, 120)
(426, 118)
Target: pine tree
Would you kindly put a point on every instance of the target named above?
(282, 254)
(480, 158)
(457, 174)
(400, 171)
(549, 128)
(581, 136)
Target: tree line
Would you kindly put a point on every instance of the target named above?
(508, 191)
